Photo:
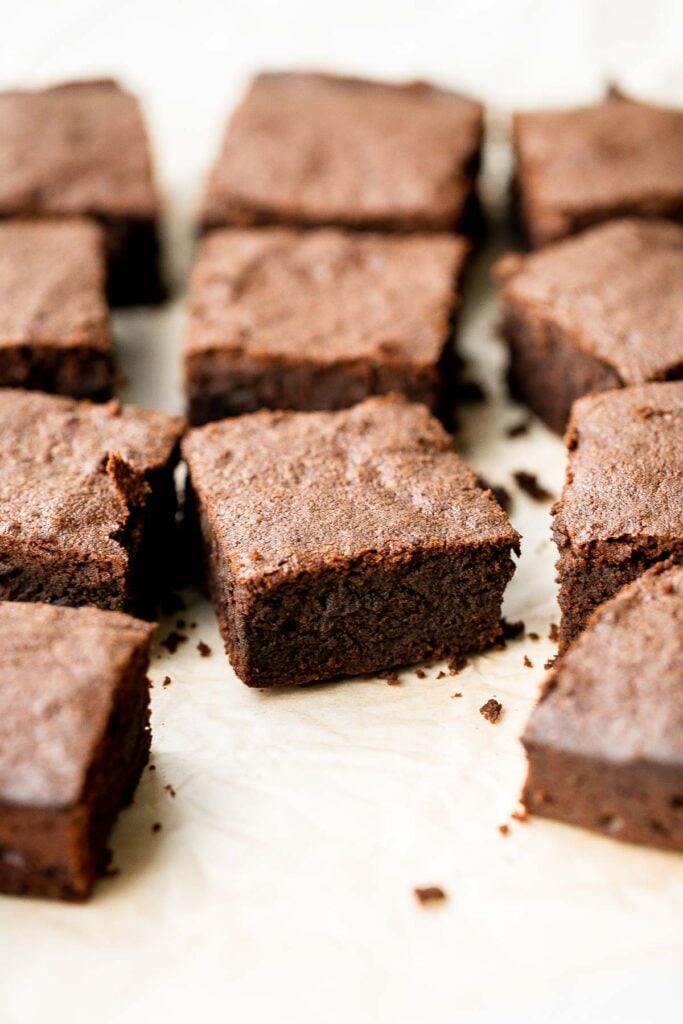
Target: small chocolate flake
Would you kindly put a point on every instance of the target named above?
(169, 789)
(491, 710)
(203, 649)
(167, 681)
(504, 829)
(421, 674)
(454, 695)
(392, 679)
(533, 636)
(528, 663)
(151, 767)
(518, 429)
(156, 827)
(430, 894)
(173, 641)
(441, 674)
(528, 482)
(554, 632)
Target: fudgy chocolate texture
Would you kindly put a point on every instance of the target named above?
(345, 542)
(319, 319)
(605, 742)
(314, 149)
(87, 501)
(579, 167)
(54, 329)
(74, 737)
(621, 509)
(594, 312)
(81, 149)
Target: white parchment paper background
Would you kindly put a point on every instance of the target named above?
(280, 887)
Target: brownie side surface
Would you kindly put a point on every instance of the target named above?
(81, 148)
(345, 542)
(74, 737)
(54, 329)
(314, 149)
(87, 500)
(605, 742)
(582, 166)
(621, 509)
(594, 312)
(318, 319)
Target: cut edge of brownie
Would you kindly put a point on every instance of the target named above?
(59, 852)
(79, 371)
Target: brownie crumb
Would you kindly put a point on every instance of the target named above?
(151, 767)
(167, 681)
(528, 663)
(430, 894)
(521, 814)
(173, 641)
(455, 695)
(528, 482)
(554, 632)
(511, 630)
(518, 429)
(504, 829)
(169, 789)
(533, 636)
(491, 710)
(550, 662)
(441, 674)
(156, 827)
(203, 649)
(392, 679)
(421, 674)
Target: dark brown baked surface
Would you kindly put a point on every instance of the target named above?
(621, 509)
(345, 542)
(54, 329)
(605, 742)
(81, 149)
(318, 319)
(74, 737)
(86, 500)
(315, 149)
(578, 167)
(602, 309)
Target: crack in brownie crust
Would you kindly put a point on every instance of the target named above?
(348, 542)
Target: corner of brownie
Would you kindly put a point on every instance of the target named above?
(347, 542)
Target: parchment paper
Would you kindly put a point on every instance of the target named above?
(280, 886)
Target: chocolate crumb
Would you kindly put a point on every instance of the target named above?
(203, 649)
(533, 636)
(455, 695)
(528, 482)
(180, 624)
(151, 767)
(554, 632)
(167, 681)
(528, 663)
(550, 662)
(511, 630)
(491, 710)
(521, 814)
(156, 827)
(518, 429)
(430, 894)
(392, 679)
(169, 789)
(173, 641)
(441, 674)
(421, 674)
(504, 829)
(456, 664)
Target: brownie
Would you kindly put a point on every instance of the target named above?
(320, 319)
(605, 742)
(593, 312)
(339, 543)
(621, 509)
(87, 501)
(582, 166)
(81, 149)
(74, 737)
(54, 328)
(316, 149)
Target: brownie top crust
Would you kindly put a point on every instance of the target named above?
(320, 149)
(325, 295)
(616, 291)
(293, 492)
(70, 471)
(617, 693)
(59, 672)
(625, 466)
(580, 162)
(52, 281)
(76, 148)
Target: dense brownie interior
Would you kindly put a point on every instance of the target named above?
(346, 542)
(605, 743)
(313, 149)
(319, 320)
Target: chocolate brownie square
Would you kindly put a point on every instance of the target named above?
(582, 166)
(339, 543)
(314, 150)
(54, 328)
(605, 742)
(74, 738)
(87, 501)
(594, 312)
(81, 149)
(319, 319)
(621, 509)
